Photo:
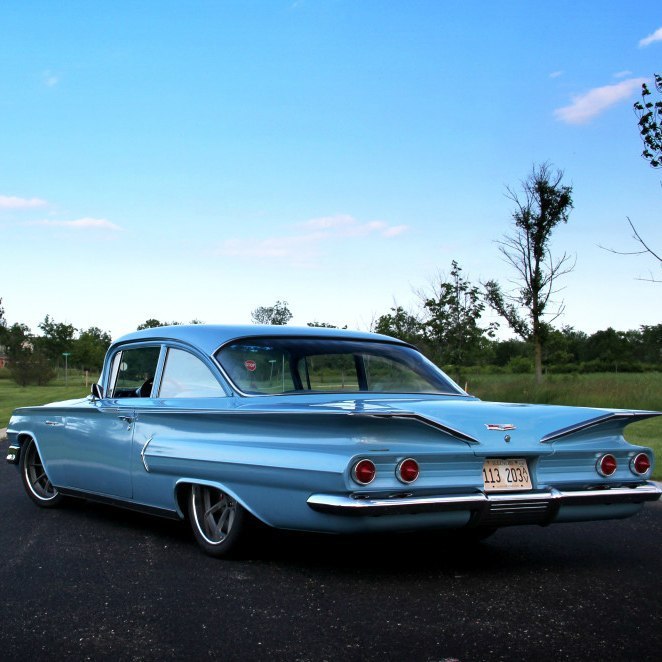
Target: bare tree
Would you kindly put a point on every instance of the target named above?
(543, 203)
(643, 249)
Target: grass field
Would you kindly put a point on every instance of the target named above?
(622, 391)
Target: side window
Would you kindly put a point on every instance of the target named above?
(185, 376)
(133, 372)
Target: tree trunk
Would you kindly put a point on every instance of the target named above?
(538, 358)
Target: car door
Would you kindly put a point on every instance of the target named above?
(100, 439)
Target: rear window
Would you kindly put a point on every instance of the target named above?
(262, 366)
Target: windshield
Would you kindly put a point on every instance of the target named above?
(266, 366)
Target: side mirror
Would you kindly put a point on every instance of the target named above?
(97, 392)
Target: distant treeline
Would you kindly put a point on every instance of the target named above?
(565, 351)
(459, 349)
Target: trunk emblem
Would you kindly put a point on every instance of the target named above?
(500, 426)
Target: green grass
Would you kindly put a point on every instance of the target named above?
(622, 391)
(12, 395)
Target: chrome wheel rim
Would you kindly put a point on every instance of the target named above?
(35, 475)
(214, 513)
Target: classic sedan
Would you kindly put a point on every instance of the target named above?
(319, 430)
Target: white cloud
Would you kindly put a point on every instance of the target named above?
(586, 106)
(655, 36)
(395, 230)
(50, 79)
(304, 248)
(556, 74)
(81, 224)
(622, 74)
(326, 222)
(12, 202)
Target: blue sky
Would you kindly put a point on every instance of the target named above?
(185, 160)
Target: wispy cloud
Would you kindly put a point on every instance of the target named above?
(80, 224)
(556, 74)
(655, 36)
(12, 202)
(304, 247)
(50, 79)
(590, 104)
(622, 74)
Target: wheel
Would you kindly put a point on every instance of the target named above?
(35, 481)
(217, 520)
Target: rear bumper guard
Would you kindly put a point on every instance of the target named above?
(522, 507)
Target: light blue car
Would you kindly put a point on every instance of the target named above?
(319, 430)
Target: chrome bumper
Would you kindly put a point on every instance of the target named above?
(487, 508)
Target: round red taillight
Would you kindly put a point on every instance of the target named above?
(364, 472)
(640, 464)
(407, 471)
(606, 465)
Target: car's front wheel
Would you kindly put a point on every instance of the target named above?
(217, 520)
(35, 480)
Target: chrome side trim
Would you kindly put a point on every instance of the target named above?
(592, 422)
(142, 452)
(359, 505)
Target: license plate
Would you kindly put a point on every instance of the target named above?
(506, 474)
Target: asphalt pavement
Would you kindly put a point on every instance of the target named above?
(90, 582)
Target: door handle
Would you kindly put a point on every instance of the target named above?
(127, 419)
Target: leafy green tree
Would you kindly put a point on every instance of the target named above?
(57, 338)
(609, 349)
(650, 123)
(323, 325)
(400, 324)
(90, 348)
(28, 364)
(452, 325)
(279, 314)
(543, 204)
(152, 323)
(650, 345)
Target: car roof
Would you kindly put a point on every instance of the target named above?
(209, 337)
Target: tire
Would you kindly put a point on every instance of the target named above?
(35, 481)
(218, 521)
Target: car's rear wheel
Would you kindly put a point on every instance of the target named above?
(217, 520)
(35, 480)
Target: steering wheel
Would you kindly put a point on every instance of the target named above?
(146, 389)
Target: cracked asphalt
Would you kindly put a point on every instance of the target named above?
(89, 582)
